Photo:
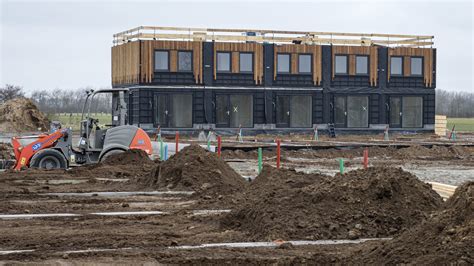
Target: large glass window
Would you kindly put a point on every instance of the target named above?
(341, 64)
(357, 111)
(396, 67)
(241, 110)
(416, 66)
(304, 63)
(362, 65)
(246, 62)
(181, 110)
(223, 62)
(185, 61)
(161, 61)
(412, 110)
(283, 63)
(340, 112)
(300, 113)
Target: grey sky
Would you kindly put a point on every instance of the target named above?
(54, 44)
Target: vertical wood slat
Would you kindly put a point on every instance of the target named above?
(426, 53)
(173, 47)
(125, 63)
(406, 66)
(352, 51)
(173, 61)
(294, 63)
(352, 64)
(235, 62)
(255, 48)
(295, 50)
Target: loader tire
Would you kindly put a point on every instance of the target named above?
(48, 159)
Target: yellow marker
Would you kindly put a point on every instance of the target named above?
(23, 161)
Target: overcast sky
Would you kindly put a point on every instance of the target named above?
(66, 44)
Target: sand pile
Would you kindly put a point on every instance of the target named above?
(194, 168)
(378, 202)
(21, 114)
(445, 238)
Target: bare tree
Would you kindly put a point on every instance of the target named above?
(10, 92)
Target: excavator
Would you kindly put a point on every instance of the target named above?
(96, 143)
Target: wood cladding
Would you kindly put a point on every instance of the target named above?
(406, 52)
(352, 51)
(235, 48)
(147, 57)
(126, 63)
(294, 50)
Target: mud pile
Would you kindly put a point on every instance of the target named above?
(21, 114)
(447, 237)
(6, 151)
(378, 202)
(194, 168)
(129, 164)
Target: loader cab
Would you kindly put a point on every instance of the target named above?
(95, 122)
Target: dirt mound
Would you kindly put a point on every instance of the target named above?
(132, 163)
(377, 202)
(447, 237)
(21, 114)
(194, 168)
(6, 151)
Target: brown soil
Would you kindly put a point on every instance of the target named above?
(6, 151)
(378, 202)
(20, 115)
(412, 152)
(447, 237)
(196, 169)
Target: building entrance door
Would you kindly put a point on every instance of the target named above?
(173, 110)
(294, 111)
(395, 109)
(234, 110)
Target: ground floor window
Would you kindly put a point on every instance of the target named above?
(173, 110)
(406, 111)
(234, 110)
(293, 111)
(351, 111)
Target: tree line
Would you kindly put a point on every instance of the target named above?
(59, 100)
(452, 104)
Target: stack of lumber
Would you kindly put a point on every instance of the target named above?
(440, 125)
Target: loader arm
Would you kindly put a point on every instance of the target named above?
(23, 154)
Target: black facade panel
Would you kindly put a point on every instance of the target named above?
(259, 108)
(374, 109)
(406, 82)
(198, 107)
(382, 67)
(326, 66)
(433, 84)
(173, 78)
(350, 81)
(268, 52)
(208, 63)
(318, 112)
(234, 79)
(429, 109)
(293, 80)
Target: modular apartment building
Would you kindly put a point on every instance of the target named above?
(270, 80)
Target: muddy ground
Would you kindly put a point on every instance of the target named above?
(278, 206)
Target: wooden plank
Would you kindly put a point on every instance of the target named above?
(173, 60)
(406, 66)
(235, 62)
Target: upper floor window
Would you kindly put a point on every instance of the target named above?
(223, 62)
(341, 64)
(416, 66)
(246, 62)
(362, 63)
(161, 61)
(304, 63)
(283, 63)
(185, 61)
(396, 65)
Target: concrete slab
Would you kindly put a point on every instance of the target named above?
(118, 193)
